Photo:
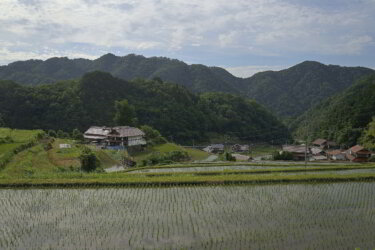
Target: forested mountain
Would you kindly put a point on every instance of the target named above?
(178, 113)
(292, 91)
(343, 117)
(198, 78)
(288, 92)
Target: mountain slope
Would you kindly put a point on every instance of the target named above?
(292, 91)
(342, 117)
(178, 113)
(288, 92)
(198, 78)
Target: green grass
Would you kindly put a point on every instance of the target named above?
(260, 150)
(29, 162)
(106, 160)
(65, 157)
(19, 135)
(121, 179)
(4, 148)
(195, 154)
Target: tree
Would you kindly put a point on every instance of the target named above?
(89, 161)
(52, 133)
(125, 114)
(368, 136)
(77, 135)
(153, 136)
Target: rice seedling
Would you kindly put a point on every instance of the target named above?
(299, 216)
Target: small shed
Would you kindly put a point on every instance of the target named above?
(336, 155)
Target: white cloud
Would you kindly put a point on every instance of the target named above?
(257, 27)
(247, 71)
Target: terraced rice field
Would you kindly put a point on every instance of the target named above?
(298, 216)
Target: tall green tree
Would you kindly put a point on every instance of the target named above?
(368, 136)
(125, 114)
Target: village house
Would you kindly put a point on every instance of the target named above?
(318, 154)
(214, 148)
(123, 136)
(336, 155)
(240, 148)
(324, 144)
(358, 153)
(298, 151)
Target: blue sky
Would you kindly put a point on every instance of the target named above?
(243, 36)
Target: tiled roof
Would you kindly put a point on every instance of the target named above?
(356, 148)
(126, 131)
(98, 131)
(335, 152)
(295, 149)
(319, 141)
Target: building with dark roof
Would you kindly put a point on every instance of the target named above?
(115, 136)
(358, 153)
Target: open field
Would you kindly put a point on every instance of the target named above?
(298, 216)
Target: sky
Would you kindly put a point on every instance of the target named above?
(243, 36)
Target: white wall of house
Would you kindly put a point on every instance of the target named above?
(339, 157)
(136, 140)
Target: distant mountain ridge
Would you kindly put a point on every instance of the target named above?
(288, 93)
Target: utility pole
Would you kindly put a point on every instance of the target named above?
(305, 154)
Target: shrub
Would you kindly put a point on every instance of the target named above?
(229, 157)
(89, 161)
(153, 136)
(6, 139)
(52, 133)
(167, 158)
(283, 156)
(77, 135)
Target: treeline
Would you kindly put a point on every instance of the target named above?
(344, 118)
(176, 112)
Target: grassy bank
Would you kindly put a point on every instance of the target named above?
(125, 179)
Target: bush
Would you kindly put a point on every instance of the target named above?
(283, 156)
(229, 157)
(167, 158)
(372, 159)
(77, 135)
(153, 136)
(89, 161)
(6, 139)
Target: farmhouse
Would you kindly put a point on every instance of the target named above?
(358, 154)
(297, 151)
(115, 136)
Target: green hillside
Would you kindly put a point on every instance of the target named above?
(288, 92)
(198, 78)
(176, 112)
(343, 117)
(291, 92)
